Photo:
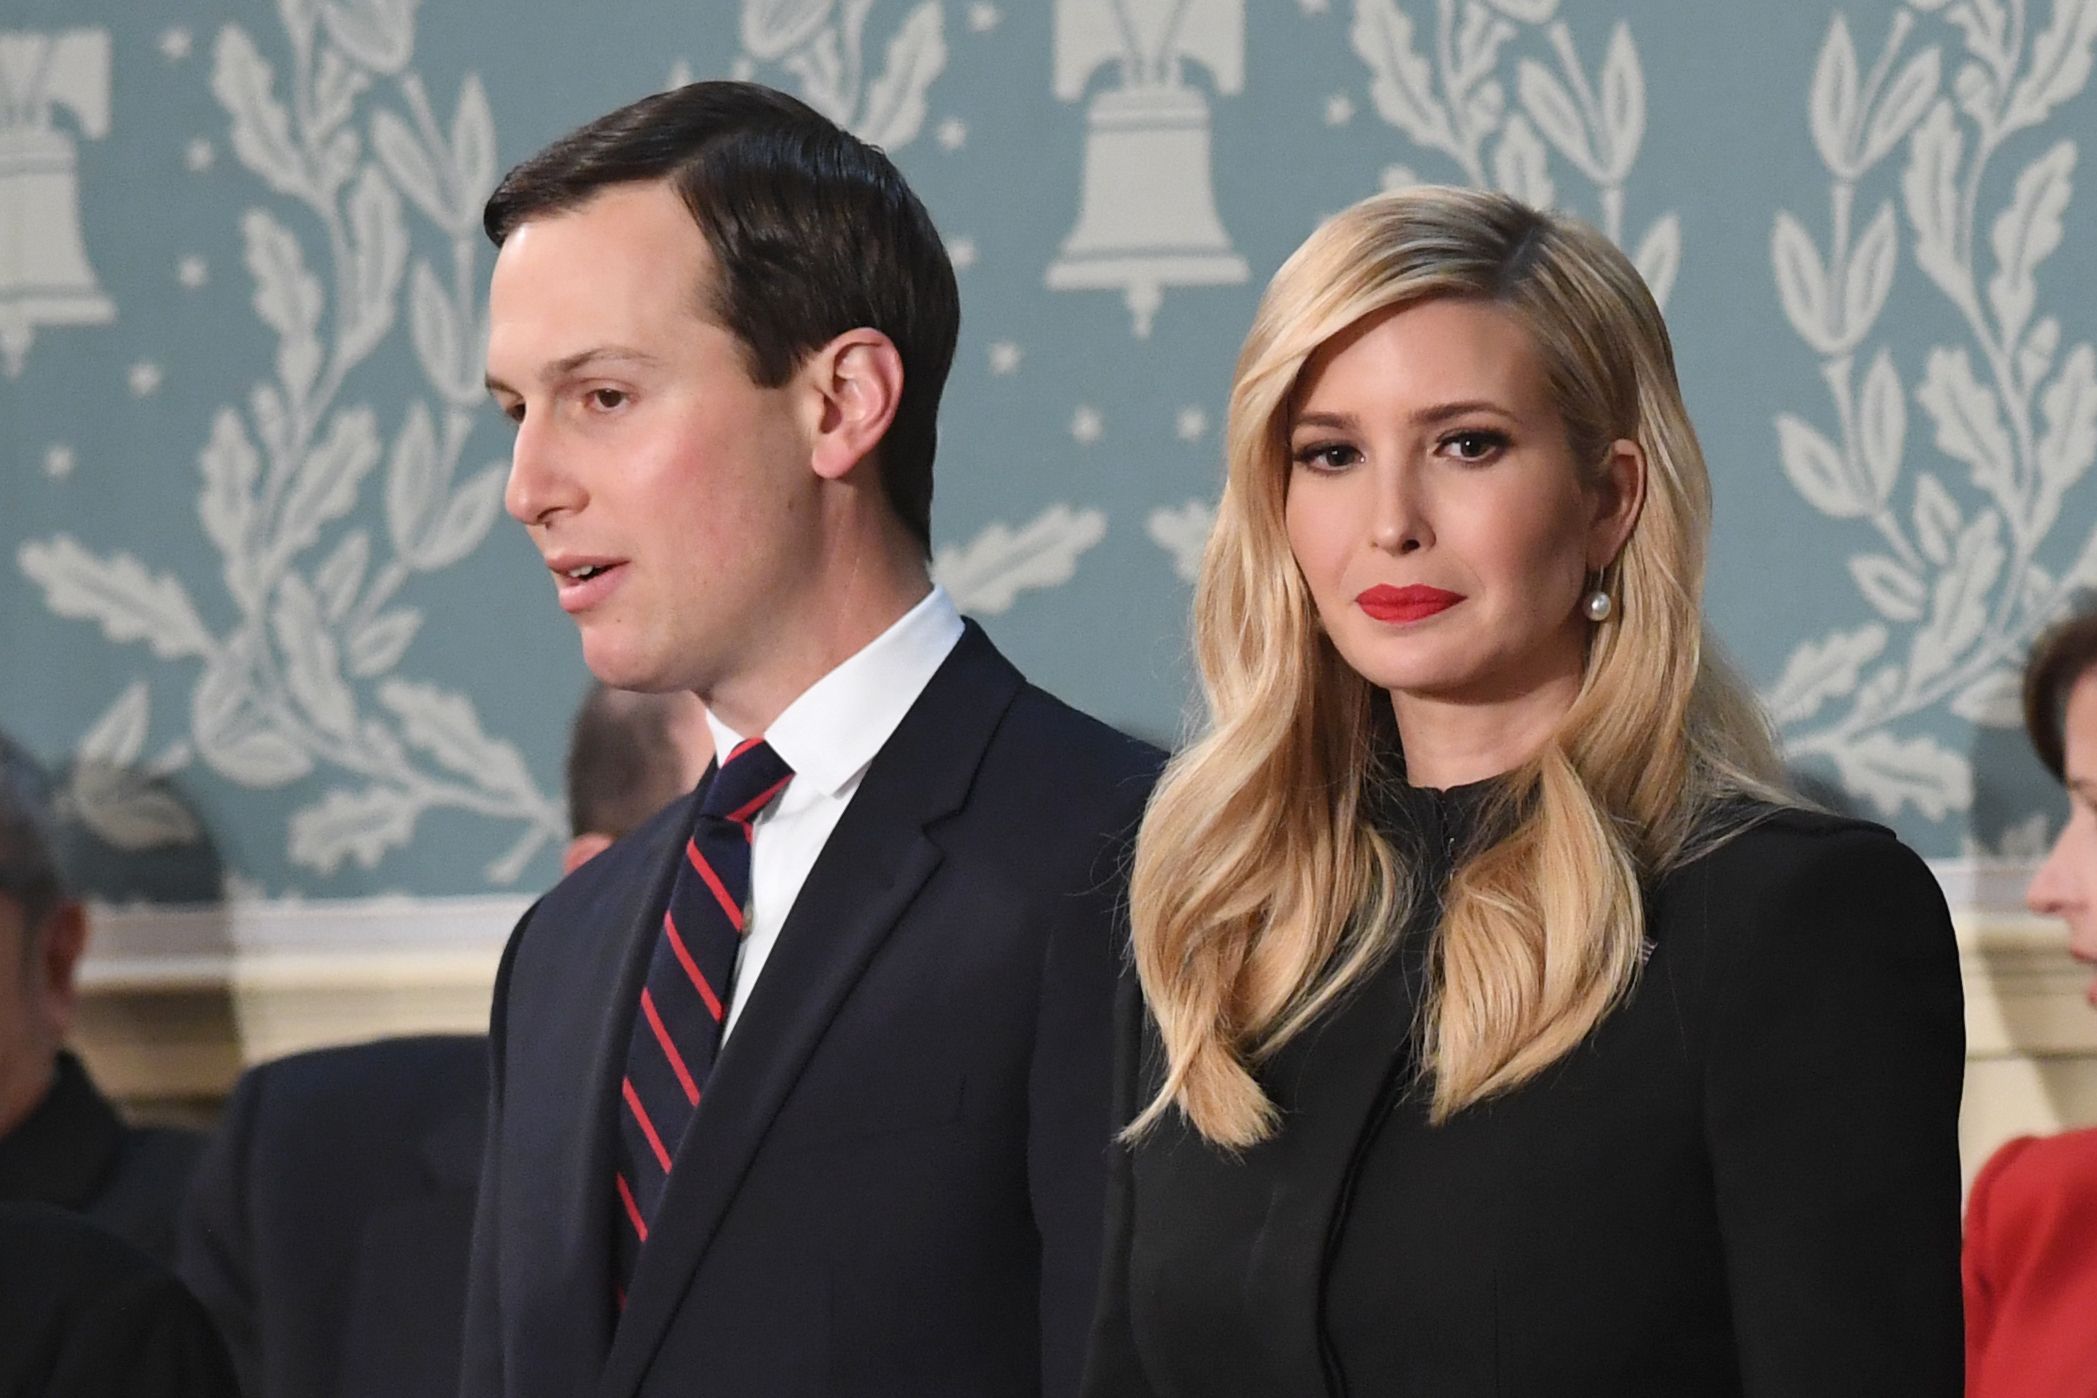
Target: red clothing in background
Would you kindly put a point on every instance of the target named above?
(2031, 1270)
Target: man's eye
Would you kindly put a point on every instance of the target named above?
(607, 398)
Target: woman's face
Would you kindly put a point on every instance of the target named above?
(2066, 884)
(1435, 509)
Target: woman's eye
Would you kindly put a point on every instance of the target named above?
(1473, 446)
(1327, 456)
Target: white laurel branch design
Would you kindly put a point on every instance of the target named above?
(281, 691)
(1454, 101)
(1183, 531)
(1956, 584)
(987, 574)
(822, 44)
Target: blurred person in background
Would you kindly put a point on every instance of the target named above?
(327, 1231)
(61, 1141)
(2031, 1220)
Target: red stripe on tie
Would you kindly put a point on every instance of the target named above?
(757, 803)
(744, 746)
(662, 1036)
(691, 968)
(713, 881)
(640, 1114)
(633, 1216)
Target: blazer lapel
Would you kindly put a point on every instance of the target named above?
(875, 862)
(563, 1227)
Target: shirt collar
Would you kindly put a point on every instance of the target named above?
(830, 734)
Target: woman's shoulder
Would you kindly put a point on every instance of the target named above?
(1747, 844)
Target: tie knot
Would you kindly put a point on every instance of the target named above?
(746, 782)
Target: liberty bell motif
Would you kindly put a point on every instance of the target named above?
(44, 276)
(1147, 213)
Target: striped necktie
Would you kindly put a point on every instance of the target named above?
(677, 1026)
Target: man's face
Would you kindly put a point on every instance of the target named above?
(669, 494)
(2066, 884)
(36, 1002)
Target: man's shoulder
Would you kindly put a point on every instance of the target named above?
(338, 1082)
(1070, 746)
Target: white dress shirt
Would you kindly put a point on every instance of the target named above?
(829, 737)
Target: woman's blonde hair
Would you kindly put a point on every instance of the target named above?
(1261, 891)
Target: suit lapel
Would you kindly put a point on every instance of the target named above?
(564, 1229)
(873, 865)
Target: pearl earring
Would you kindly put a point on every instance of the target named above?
(1598, 604)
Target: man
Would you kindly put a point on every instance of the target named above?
(61, 1142)
(803, 1088)
(333, 1255)
(2031, 1219)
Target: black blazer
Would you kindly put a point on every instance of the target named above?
(1745, 1182)
(895, 1179)
(74, 1151)
(84, 1314)
(328, 1224)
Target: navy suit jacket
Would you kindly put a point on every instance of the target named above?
(895, 1180)
(328, 1223)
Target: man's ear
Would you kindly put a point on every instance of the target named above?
(858, 381)
(58, 952)
(1620, 497)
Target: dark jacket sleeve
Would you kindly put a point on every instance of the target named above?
(215, 1247)
(480, 1358)
(85, 1315)
(1834, 1068)
(1070, 1092)
(1114, 1370)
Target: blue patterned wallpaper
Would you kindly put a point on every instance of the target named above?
(260, 597)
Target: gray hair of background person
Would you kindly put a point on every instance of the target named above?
(29, 871)
(625, 761)
(2061, 658)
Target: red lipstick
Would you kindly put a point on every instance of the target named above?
(1414, 603)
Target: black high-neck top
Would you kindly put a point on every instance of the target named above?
(1744, 1182)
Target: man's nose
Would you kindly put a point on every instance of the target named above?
(539, 486)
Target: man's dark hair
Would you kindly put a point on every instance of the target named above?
(813, 233)
(29, 871)
(2060, 659)
(624, 761)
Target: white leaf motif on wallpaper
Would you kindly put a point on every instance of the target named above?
(414, 481)
(1969, 420)
(1659, 256)
(466, 520)
(1994, 701)
(379, 645)
(2060, 62)
(1937, 519)
(1959, 604)
(1623, 104)
(1521, 166)
(987, 574)
(359, 825)
(1899, 107)
(380, 34)
(2026, 234)
(1817, 468)
(378, 253)
(772, 28)
(328, 480)
(1882, 426)
(895, 103)
(312, 667)
(1402, 85)
(445, 725)
(433, 328)
(233, 736)
(1834, 106)
(130, 603)
(108, 792)
(2069, 444)
(410, 166)
(230, 467)
(287, 297)
(1897, 593)
(1823, 670)
(337, 582)
(1529, 11)
(1888, 771)
(473, 155)
(1557, 116)
(1184, 533)
(1930, 191)
(1869, 276)
(1803, 285)
(241, 79)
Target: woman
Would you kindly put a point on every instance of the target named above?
(2031, 1222)
(1508, 1031)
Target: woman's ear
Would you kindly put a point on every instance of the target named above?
(1619, 496)
(858, 382)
